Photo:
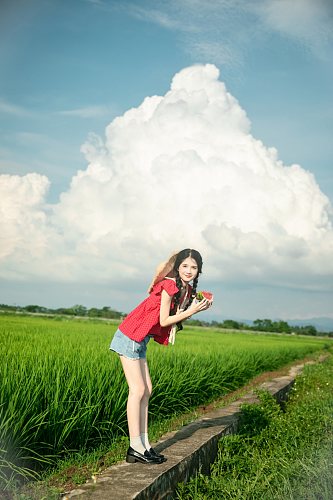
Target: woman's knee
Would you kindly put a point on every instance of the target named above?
(137, 391)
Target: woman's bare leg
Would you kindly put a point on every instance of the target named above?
(136, 390)
(144, 403)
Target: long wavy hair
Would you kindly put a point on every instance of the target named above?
(180, 257)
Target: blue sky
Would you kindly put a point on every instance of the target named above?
(70, 67)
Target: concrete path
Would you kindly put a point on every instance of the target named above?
(188, 450)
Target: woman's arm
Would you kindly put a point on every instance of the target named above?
(167, 320)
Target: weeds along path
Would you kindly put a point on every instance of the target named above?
(277, 453)
(62, 390)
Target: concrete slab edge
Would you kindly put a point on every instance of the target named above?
(189, 450)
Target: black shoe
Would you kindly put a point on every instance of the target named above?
(156, 454)
(146, 458)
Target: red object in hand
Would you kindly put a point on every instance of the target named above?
(203, 294)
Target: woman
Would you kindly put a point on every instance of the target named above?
(169, 303)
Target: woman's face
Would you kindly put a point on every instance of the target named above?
(188, 270)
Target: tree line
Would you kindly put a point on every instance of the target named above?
(258, 325)
(263, 325)
(76, 310)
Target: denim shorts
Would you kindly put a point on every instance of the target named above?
(129, 348)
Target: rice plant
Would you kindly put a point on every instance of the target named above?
(62, 390)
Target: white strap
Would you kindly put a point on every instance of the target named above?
(172, 336)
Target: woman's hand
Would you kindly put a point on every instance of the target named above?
(200, 306)
(195, 307)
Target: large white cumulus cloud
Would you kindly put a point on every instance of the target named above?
(180, 170)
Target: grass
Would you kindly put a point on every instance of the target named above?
(63, 394)
(285, 454)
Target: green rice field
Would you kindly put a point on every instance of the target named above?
(62, 390)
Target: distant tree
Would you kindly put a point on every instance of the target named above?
(32, 308)
(232, 324)
(282, 327)
(308, 330)
(61, 310)
(107, 312)
(93, 312)
(79, 310)
(194, 322)
(263, 325)
(8, 308)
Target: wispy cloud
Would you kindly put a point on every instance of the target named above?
(87, 112)
(10, 165)
(220, 30)
(214, 51)
(204, 28)
(98, 3)
(33, 138)
(12, 109)
(305, 21)
(165, 19)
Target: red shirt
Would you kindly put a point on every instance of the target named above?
(145, 318)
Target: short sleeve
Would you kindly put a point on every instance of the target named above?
(168, 285)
